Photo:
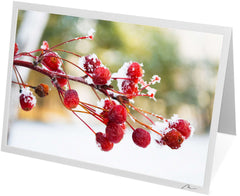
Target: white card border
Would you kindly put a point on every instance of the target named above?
(225, 31)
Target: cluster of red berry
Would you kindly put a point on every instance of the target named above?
(99, 74)
(27, 99)
(53, 62)
(115, 117)
(130, 78)
(175, 133)
(112, 113)
(130, 85)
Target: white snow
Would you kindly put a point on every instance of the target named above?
(122, 73)
(75, 141)
(89, 80)
(161, 127)
(81, 62)
(155, 79)
(91, 32)
(174, 119)
(93, 57)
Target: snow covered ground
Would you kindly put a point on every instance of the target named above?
(74, 141)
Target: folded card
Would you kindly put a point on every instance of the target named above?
(137, 97)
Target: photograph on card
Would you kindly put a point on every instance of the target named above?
(132, 97)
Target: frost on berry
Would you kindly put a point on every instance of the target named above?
(118, 114)
(27, 99)
(130, 75)
(114, 132)
(52, 61)
(141, 137)
(173, 139)
(15, 49)
(42, 90)
(122, 73)
(129, 87)
(135, 71)
(103, 142)
(71, 99)
(101, 76)
(61, 81)
(89, 63)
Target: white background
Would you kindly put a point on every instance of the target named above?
(27, 176)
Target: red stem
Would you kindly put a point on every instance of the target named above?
(84, 122)
(140, 112)
(66, 51)
(74, 39)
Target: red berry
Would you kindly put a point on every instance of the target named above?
(91, 63)
(27, 100)
(182, 126)
(108, 104)
(71, 99)
(114, 132)
(101, 75)
(135, 71)
(15, 49)
(129, 87)
(173, 139)
(103, 142)
(61, 81)
(52, 61)
(141, 137)
(118, 114)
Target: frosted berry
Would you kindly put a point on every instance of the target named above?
(141, 137)
(101, 75)
(15, 49)
(108, 105)
(129, 87)
(135, 71)
(52, 61)
(71, 99)
(91, 63)
(182, 126)
(114, 132)
(173, 139)
(27, 100)
(42, 90)
(118, 114)
(103, 142)
(61, 81)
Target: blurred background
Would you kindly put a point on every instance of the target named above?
(186, 61)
